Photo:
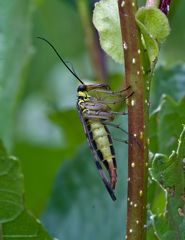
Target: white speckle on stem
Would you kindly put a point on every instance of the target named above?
(133, 4)
(123, 4)
(133, 60)
(131, 230)
(140, 193)
(139, 51)
(132, 164)
(125, 46)
(132, 102)
(138, 72)
(137, 221)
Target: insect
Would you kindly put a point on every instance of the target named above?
(95, 114)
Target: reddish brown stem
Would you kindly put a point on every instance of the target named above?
(137, 122)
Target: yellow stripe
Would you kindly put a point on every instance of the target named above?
(101, 138)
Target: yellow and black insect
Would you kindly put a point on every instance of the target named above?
(95, 115)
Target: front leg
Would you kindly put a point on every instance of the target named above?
(98, 115)
(95, 106)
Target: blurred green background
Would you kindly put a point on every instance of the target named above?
(39, 122)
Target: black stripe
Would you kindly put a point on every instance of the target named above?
(91, 135)
(109, 137)
(80, 98)
(98, 165)
(114, 162)
(100, 155)
(105, 162)
(94, 144)
(112, 150)
(89, 129)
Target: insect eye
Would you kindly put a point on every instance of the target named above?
(81, 88)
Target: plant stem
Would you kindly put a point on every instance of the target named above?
(96, 55)
(165, 6)
(152, 3)
(135, 76)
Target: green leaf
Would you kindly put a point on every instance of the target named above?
(11, 187)
(84, 202)
(106, 20)
(15, 221)
(154, 27)
(154, 22)
(65, 120)
(24, 227)
(173, 49)
(169, 81)
(165, 125)
(15, 52)
(169, 173)
(39, 164)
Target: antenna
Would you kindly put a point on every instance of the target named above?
(71, 70)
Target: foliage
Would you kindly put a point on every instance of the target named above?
(106, 21)
(15, 221)
(92, 203)
(13, 47)
(148, 20)
(169, 173)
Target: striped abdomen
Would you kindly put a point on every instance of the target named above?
(102, 143)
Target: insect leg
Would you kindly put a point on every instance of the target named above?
(100, 107)
(116, 126)
(98, 115)
(119, 113)
(124, 131)
(96, 106)
(120, 140)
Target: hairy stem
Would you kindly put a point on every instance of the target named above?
(136, 64)
(96, 55)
